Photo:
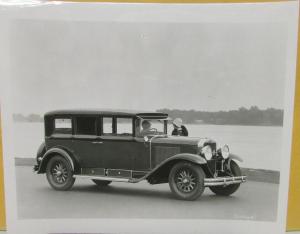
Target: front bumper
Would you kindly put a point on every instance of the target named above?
(224, 181)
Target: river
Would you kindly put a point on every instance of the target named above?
(260, 147)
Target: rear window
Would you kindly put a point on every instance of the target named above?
(63, 126)
(108, 126)
(86, 126)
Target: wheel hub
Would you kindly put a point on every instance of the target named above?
(59, 173)
(186, 181)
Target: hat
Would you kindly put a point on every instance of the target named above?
(177, 122)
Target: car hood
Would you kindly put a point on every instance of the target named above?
(179, 140)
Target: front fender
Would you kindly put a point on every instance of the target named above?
(188, 157)
(235, 157)
(194, 158)
(50, 153)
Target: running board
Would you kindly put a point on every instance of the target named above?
(219, 181)
(93, 177)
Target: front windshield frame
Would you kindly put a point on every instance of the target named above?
(161, 132)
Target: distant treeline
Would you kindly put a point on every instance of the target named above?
(28, 118)
(242, 116)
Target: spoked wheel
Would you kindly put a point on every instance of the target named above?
(229, 189)
(102, 182)
(59, 173)
(186, 181)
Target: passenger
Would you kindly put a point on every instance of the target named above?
(179, 128)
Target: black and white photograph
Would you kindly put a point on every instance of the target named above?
(151, 112)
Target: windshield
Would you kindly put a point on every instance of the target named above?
(150, 127)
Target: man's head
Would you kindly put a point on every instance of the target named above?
(177, 122)
(146, 124)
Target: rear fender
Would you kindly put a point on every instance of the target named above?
(52, 152)
(41, 150)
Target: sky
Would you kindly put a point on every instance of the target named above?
(200, 66)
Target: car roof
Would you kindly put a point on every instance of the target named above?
(109, 112)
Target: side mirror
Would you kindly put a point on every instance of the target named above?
(146, 139)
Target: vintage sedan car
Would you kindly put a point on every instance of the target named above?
(131, 146)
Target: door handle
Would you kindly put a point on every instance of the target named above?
(97, 142)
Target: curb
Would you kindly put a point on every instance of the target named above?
(262, 175)
(25, 162)
(259, 175)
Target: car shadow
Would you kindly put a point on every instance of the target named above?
(122, 191)
(144, 193)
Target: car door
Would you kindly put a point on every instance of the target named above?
(87, 145)
(118, 148)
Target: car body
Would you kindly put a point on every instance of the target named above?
(114, 145)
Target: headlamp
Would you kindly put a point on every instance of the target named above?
(225, 151)
(207, 151)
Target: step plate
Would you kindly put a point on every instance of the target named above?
(91, 177)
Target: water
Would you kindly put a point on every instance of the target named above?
(260, 147)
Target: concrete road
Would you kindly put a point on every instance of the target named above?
(253, 201)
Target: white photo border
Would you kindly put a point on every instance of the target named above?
(121, 12)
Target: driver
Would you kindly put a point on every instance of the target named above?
(146, 128)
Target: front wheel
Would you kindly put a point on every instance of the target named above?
(186, 181)
(229, 189)
(59, 173)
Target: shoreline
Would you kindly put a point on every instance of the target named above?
(205, 124)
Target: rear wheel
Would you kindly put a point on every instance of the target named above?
(230, 189)
(102, 182)
(186, 181)
(59, 173)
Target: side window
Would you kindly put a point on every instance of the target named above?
(86, 126)
(107, 126)
(124, 126)
(63, 125)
